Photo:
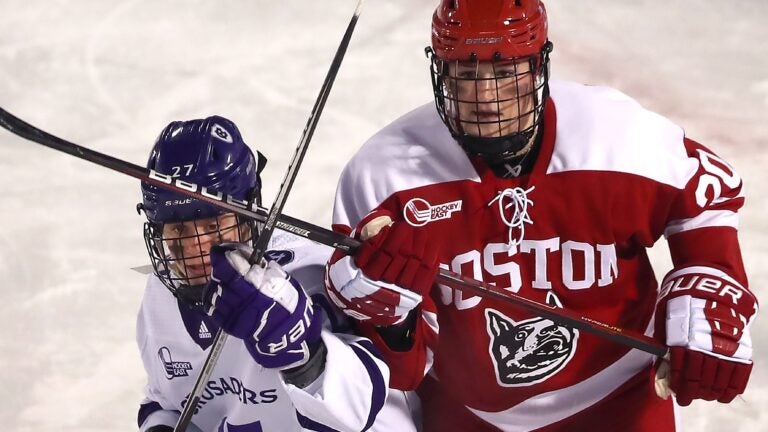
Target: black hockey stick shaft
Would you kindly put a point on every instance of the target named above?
(261, 243)
(561, 316)
(330, 238)
(306, 136)
(286, 223)
(327, 237)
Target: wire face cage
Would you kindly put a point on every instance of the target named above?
(492, 107)
(180, 251)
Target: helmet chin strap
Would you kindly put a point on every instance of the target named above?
(505, 155)
(191, 295)
(495, 147)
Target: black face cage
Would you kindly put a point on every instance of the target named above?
(510, 134)
(181, 260)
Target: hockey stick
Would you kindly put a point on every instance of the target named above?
(324, 236)
(260, 246)
(327, 237)
(286, 223)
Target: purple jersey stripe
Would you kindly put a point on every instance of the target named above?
(146, 409)
(307, 423)
(364, 349)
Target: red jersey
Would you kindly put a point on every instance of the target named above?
(609, 180)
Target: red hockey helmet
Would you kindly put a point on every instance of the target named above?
(488, 29)
(490, 73)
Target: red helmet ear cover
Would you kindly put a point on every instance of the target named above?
(488, 29)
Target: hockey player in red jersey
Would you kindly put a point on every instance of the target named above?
(554, 191)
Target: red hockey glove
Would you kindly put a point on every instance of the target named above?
(386, 279)
(706, 315)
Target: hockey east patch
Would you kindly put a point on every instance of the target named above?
(529, 351)
(173, 369)
(419, 212)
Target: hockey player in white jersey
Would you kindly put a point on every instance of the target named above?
(289, 367)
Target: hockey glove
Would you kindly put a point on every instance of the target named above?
(706, 317)
(263, 306)
(386, 279)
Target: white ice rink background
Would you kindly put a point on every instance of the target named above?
(110, 74)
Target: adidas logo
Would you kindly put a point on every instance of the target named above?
(203, 332)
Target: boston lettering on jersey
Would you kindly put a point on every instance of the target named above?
(582, 266)
(233, 386)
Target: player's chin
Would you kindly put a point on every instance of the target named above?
(198, 275)
(490, 129)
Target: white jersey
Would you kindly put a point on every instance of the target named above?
(242, 396)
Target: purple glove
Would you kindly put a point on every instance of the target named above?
(262, 305)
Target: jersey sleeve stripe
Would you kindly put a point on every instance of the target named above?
(152, 414)
(431, 319)
(146, 409)
(364, 350)
(369, 347)
(707, 218)
(310, 424)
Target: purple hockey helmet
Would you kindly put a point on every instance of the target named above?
(209, 153)
(180, 230)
